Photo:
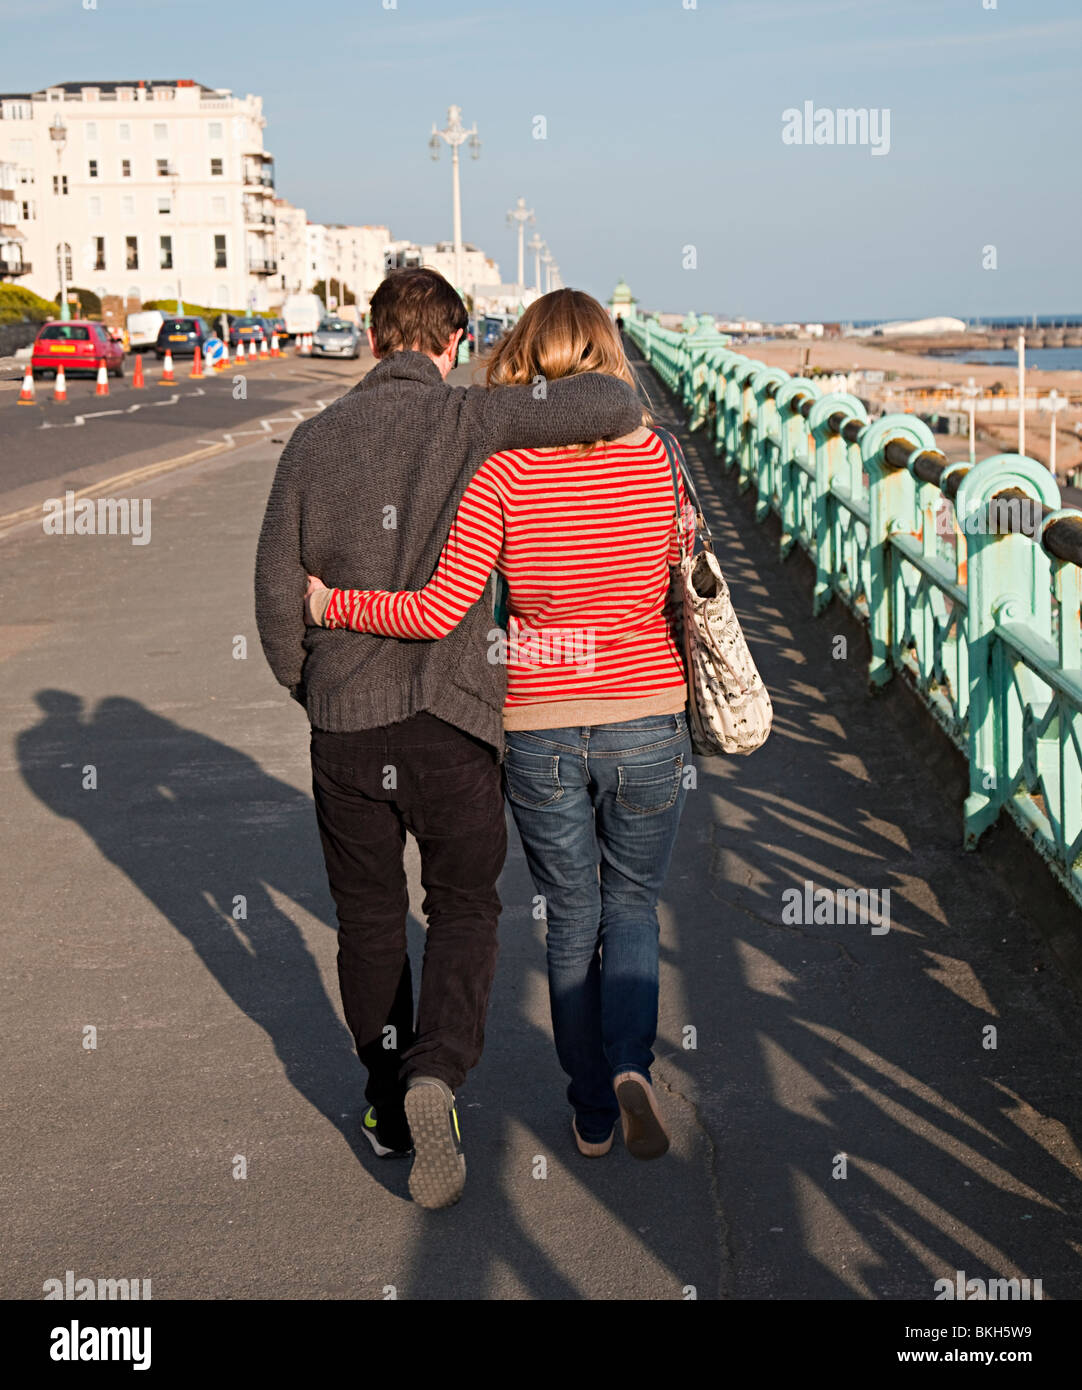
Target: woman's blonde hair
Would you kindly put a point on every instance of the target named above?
(562, 334)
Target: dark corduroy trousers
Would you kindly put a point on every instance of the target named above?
(443, 786)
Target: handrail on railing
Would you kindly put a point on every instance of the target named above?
(970, 577)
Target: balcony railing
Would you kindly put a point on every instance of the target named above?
(261, 267)
(256, 218)
(15, 267)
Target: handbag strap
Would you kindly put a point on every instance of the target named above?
(676, 466)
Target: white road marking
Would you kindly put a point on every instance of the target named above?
(97, 414)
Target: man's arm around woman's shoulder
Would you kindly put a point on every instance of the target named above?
(572, 410)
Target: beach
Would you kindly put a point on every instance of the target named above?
(917, 372)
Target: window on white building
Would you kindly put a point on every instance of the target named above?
(127, 205)
(215, 130)
(221, 294)
(219, 252)
(161, 130)
(165, 253)
(217, 207)
(131, 252)
(162, 168)
(94, 207)
(60, 184)
(91, 130)
(216, 168)
(30, 211)
(165, 206)
(92, 168)
(99, 253)
(125, 168)
(123, 130)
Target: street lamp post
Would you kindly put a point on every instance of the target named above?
(58, 133)
(455, 135)
(537, 246)
(547, 261)
(520, 214)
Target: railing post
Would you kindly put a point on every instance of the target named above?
(701, 347)
(792, 453)
(767, 438)
(830, 463)
(742, 424)
(1067, 589)
(1009, 580)
(727, 362)
(893, 506)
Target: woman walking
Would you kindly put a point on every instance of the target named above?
(596, 739)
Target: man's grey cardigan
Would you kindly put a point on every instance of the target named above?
(364, 498)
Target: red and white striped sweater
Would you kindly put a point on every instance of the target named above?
(585, 543)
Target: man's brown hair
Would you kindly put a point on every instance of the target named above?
(415, 310)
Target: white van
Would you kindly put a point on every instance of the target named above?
(303, 313)
(143, 328)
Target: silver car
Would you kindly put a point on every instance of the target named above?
(337, 338)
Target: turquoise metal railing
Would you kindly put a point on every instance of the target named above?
(980, 611)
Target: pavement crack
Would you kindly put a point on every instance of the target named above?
(725, 1276)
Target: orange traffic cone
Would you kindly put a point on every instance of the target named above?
(167, 377)
(60, 390)
(26, 395)
(275, 350)
(263, 354)
(222, 361)
(137, 376)
(197, 364)
(102, 388)
(251, 351)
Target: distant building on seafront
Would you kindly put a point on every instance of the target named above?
(478, 269)
(623, 303)
(910, 328)
(146, 188)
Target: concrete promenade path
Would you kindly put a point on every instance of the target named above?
(210, 1141)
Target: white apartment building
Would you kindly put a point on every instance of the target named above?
(12, 263)
(291, 238)
(150, 187)
(352, 257)
(478, 270)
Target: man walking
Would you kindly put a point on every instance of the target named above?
(406, 735)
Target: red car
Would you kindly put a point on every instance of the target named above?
(80, 345)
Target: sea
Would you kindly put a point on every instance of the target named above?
(1039, 359)
(1042, 359)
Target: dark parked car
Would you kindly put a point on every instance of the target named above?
(181, 335)
(492, 330)
(249, 329)
(80, 345)
(277, 325)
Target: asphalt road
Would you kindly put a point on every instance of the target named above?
(48, 445)
(209, 1140)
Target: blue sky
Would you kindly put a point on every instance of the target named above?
(664, 131)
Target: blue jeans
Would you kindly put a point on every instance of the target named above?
(598, 809)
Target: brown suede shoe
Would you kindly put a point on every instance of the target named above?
(588, 1149)
(645, 1135)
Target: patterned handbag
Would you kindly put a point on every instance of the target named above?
(729, 709)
